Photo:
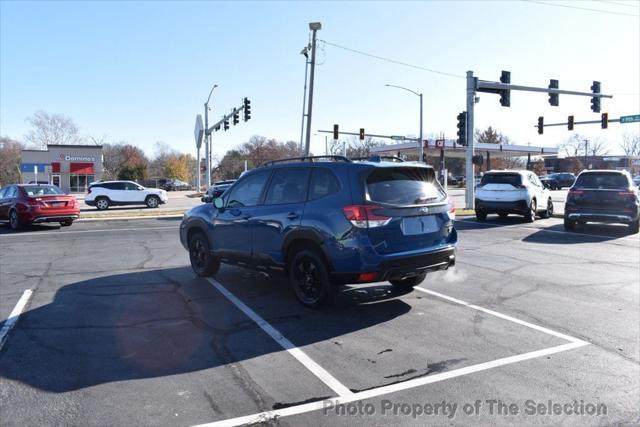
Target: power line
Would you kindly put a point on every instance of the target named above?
(393, 61)
(627, 4)
(583, 8)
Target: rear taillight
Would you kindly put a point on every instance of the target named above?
(35, 202)
(367, 277)
(628, 194)
(574, 193)
(363, 216)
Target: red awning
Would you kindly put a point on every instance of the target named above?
(81, 168)
(55, 167)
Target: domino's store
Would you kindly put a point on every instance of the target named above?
(70, 167)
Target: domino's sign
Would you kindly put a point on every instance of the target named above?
(69, 158)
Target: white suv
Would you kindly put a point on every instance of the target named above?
(117, 193)
(512, 191)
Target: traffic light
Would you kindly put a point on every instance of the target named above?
(540, 125)
(604, 120)
(505, 94)
(236, 117)
(246, 109)
(335, 132)
(462, 128)
(226, 125)
(554, 98)
(570, 122)
(361, 134)
(595, 101)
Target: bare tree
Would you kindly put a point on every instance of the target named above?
(598, 147)
(573, 146)
(10, 154)
(491, 136)
(630, 144)
(355, 147)
(52, 129)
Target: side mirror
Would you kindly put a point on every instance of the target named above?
(218, 203)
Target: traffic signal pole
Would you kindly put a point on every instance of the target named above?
(470, 181)
(314, 27)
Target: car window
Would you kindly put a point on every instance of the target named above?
(502, 178)
(130, 186)
(115, 186)
(602, 181)
(247, 192)
(42, 190)
(404, 186)
(11, 192)
(287, 186)
(323, 183)
(2, 191)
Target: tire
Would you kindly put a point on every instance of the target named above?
(14, 220)
(503, 215)
(152, 202)
(66, 223)
(202, 260)
(409, 283)
(481, 215)
(569, 225)
(531, 215)
(634, 227)
(548, 213)
(102, 203)
(309, 278)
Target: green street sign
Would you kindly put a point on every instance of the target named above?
(397, 137)
(630, 119)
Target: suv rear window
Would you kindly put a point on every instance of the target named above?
(514, 179)
(602, 181)
(404, 186)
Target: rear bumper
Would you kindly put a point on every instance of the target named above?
(55, 218)
(404, 267)
(602, 217)
(518, 206)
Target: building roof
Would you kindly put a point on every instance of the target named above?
(75, 145)
(451, 149)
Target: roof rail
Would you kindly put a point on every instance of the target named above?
(377, 158)
(306, 159)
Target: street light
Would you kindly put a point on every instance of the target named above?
(421, 159)
(304, 52)
(207, 135)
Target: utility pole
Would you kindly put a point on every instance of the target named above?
(586, 153)
(314, 27)
(304, 52)
(207, 136)
(421, 143)
(469, 187)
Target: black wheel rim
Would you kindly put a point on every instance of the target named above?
(13, 220)
(198, 254)
(307, 280)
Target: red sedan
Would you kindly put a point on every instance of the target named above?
(25, 204)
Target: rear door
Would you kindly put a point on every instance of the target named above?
(602, 191)
(409, 212)
(280, 213)
(501, 187)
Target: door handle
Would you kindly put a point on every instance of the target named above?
(292, 215)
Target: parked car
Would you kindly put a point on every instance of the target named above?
(216, 190)
(104, 194)
(176, 185)
(564, 179)
(603, 196)
(25, 204)
(327, 223)
(512, 191)
(550, 182)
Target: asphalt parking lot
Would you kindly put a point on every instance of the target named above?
(119, 331)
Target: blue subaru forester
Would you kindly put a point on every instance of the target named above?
(327, 221)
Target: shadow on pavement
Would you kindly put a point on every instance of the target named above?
(6, 229)
(584, 233)
(163, 322)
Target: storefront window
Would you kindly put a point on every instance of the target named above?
(78, 183)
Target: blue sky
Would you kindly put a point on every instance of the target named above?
(141, 71)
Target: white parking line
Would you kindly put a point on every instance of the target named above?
(102, 230)
(14, 316)
(393, 388)
(308, 363)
